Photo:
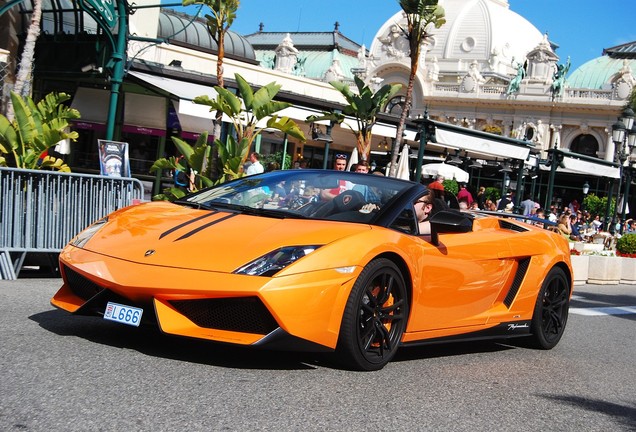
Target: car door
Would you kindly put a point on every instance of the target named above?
(460, 279)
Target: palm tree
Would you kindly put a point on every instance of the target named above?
(245, 112)
(420, 14)
(24, 70)
(364, 106)
(223, 13)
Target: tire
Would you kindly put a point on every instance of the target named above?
(375, 317)
(551, 310)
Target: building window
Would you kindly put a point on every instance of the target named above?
(585, 144)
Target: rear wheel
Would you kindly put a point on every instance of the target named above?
(375, 317)
(551, 310)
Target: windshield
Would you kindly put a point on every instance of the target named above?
(307, 194)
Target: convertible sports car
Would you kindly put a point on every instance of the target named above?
(269, 261)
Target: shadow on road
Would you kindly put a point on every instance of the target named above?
(625, 414)
(149, 340)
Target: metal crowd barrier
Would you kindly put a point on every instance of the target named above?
(41, 211)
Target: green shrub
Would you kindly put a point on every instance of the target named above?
(451, 186)
(492, 193)
(626, 245)
(597, 206)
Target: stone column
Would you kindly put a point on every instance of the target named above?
(610, 149)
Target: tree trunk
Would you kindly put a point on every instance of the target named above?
(397, 143)
(219, 114)
(24, 78)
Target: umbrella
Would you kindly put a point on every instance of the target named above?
(353, 159)
(403, 164)
(446, 170)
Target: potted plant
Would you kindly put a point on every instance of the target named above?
(580, 266)
(605, 268)
(626, 247)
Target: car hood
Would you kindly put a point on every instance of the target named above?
(166, 234)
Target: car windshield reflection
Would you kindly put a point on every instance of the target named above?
(307, 194)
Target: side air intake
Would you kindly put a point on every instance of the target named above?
(504, 224)
(522, 269)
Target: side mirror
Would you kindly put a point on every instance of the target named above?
(449, 222)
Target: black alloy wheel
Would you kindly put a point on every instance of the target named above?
(375, 317)
(551, 310)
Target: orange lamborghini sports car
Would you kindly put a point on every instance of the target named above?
(273, 260)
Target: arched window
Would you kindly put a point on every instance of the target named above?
(530, 133)
(585, 144)
(395, 105)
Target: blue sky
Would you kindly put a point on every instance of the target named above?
(581, 28)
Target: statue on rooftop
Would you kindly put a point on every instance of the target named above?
(286, 55)
(515, 82)
(558, 79)
(299, 67)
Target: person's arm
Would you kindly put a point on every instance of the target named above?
(425, 228)
(327, 195)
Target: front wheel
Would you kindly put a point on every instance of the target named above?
(375, 317)
(551, 310)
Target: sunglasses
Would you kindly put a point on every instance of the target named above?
(341, 156)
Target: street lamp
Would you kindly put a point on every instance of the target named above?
(624, 137)
(586, 187)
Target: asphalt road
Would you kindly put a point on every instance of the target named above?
(63, 373)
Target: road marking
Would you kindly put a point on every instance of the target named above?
(604, 311)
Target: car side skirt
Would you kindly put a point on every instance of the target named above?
(504, 330)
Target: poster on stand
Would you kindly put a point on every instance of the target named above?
(113, 158)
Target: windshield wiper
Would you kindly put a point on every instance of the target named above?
(256, 211)
(275, 213)
(195, 205)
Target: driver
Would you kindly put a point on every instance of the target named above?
(425, 207)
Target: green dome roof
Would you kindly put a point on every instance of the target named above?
(317, 62)
(597, 73)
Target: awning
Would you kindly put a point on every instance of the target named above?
(481, 145)
(142, 112)
(575, 163)
(180, 89)
(146, 114)
(192, 117)
(92, 105)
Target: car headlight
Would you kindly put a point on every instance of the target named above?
(82, 238)
(272, 262)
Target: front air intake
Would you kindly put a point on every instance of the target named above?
(239, 314)
(79, 285)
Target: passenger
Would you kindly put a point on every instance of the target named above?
(371, 195)
(340, 164)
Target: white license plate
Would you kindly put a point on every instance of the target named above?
(123, 314)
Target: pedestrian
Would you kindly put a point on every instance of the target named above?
(255, 167)
(527, 205)
(464, 196)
